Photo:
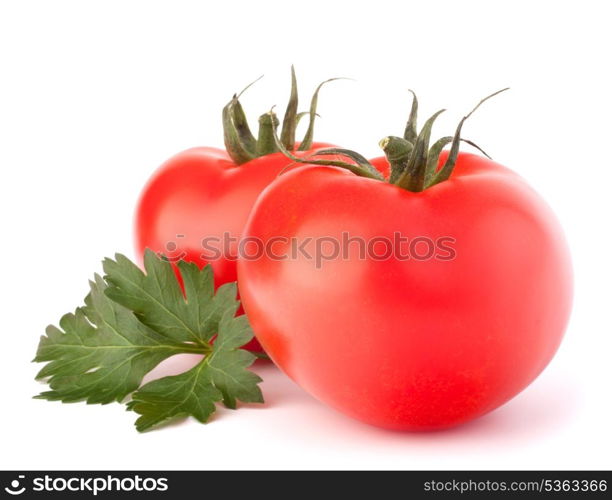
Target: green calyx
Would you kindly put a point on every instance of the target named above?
(241, 144)
(413, 162)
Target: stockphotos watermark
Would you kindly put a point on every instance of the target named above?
(88, 485)
(319, 249)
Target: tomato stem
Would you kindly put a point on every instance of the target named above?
(447, 169)
(412, 177)
(361, 166)
(308, 137)
(268, 123)
(397, 150)
(414, 164)
(290, 121)
(240, 143)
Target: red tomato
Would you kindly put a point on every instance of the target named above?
(410, 344)
(202, 194)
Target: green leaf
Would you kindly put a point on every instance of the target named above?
(157, 300)
(221, 375)
(101, 352)
(131, 322)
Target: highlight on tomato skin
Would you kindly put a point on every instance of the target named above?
(409, 344)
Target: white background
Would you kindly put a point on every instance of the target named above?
(95, 95)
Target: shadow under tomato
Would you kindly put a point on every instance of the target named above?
(541, 411)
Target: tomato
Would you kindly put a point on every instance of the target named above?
(196, 204)
(409, 343)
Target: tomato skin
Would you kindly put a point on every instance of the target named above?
(411, 344)
(201, 193)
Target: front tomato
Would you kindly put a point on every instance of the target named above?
(460, 326)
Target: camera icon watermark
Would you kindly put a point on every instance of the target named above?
(16, 488)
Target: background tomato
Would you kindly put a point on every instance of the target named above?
(202, 194)
(410, 344)
(195, 205)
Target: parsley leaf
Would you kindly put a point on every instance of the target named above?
(101, 352)
(131, 321)
(222, 375)
(157, 300)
